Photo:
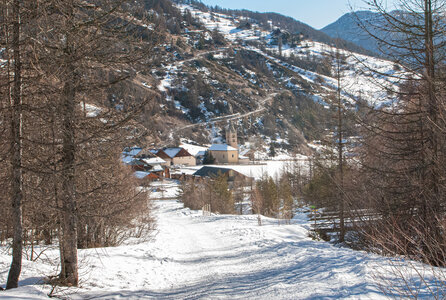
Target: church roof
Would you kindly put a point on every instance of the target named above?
(222, 147)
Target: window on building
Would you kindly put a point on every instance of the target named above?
(232, 155)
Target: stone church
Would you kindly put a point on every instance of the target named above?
(227, 153)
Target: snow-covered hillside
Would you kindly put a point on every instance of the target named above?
(274, 84)
(358, 80)
(215, 257)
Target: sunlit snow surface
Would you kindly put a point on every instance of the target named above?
(192, 256)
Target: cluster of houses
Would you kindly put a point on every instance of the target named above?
(154, 164)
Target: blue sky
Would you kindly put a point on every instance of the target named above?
(316, 13)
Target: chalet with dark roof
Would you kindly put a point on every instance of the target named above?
(214, 172)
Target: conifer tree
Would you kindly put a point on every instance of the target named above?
(208, 159)
(268, 191)
(286, 197)
(223, 200)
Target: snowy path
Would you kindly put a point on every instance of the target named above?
(231, 257)
(216, 257)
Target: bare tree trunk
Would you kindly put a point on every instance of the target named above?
(16, 152)
(69, 274)
(340, 151)
(69, 218)
(431, 218)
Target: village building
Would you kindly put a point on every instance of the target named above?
(146, 178)
(243, 160)
(157, 166)
(176, 156)
(145, 163)
(145, 153)
(214, 172)
(200, 157)
(129, 158)
(137, 165)
(245, 156)
(224, 154)
(130, 152)
(156, 173)
(154, 162)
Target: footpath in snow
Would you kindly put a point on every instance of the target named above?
(214, 257)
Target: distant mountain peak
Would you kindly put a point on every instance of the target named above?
(347, 28)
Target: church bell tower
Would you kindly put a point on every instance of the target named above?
(231, 136)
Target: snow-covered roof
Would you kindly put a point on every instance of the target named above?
(172, 152)
(200, 153)
(209, 171)
(186, 171)
(146, 154)
(157, 168)
(193, 149)
(132, 151)
(154, 161)
(141, 174)
(127, 159)
(222, 147)
(244, 152)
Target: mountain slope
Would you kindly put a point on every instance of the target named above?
(267, 21)
(347, 28)
(274, 83)
(366, 28)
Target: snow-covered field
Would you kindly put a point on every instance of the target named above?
(214, 257)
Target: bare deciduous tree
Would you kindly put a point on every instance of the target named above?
(405, 145)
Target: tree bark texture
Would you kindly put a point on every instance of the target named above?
(69, 264)
(16, 152)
